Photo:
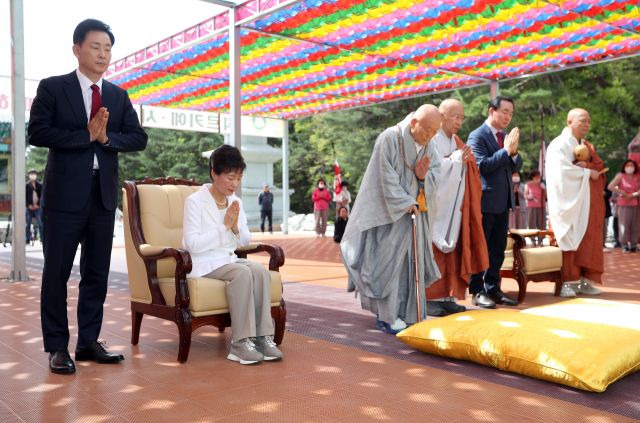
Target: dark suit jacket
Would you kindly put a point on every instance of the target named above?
(59, 121)
(29, 190)
(496, 168)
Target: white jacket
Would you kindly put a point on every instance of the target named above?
(210, 244)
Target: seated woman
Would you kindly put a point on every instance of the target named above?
(341, 224)
(214, 226)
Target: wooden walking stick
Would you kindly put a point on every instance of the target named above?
(415, 261)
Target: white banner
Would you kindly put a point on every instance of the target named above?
(180, 119)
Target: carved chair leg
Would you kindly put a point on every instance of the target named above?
(184, 331)
(522, 287)
(136, 322)
(280, 317)
(556, 292)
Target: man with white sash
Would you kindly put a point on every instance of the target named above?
(575, 191)
(459, 193)
(377, 248)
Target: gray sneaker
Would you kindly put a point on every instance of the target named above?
(567, 290)
(586, 287)
(244, 351)
(268, 348)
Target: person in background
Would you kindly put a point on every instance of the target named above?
(608, 212)
(34, 211)
(518, 214)
(215, 225)
(627, 185)
(535, 196)
(321, 198)
(342, 199)
(341, 224)
(614, 223)
(265, 200)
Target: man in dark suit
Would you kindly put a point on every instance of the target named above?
(85, 122)
(497, 158)
(34, 210)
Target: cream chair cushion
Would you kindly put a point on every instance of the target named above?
(208, 296)
(161, 216)
(541, 259)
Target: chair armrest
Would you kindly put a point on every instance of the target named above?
(148, 250)
(518, 239)
(275, 253)
(526, 232)
(152, 253)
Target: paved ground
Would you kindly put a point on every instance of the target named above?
(337, 367)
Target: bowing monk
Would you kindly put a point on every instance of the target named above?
(459, 246)
(377, 247)
(575, 191)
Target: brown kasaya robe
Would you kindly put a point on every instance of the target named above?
(471, 253)
(588, 259)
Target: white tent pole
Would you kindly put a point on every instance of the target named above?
(234, 84)
(18, 201)
(285, 177)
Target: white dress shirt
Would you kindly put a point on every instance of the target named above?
(87, 93)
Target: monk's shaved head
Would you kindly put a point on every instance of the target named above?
(452, 112)
(579, 121)
(427, 111)
(425, 123)
(450, 103)
(576, 113)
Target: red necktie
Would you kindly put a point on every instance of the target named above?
(500, 137)
(96, 100)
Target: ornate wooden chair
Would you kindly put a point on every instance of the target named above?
(158, 266)
(534, 263)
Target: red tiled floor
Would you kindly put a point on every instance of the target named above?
(318, 381)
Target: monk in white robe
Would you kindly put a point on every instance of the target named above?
(575, 191)
(377, 248)
(459, 246)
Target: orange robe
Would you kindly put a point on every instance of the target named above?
(588, 259)
(471, 253)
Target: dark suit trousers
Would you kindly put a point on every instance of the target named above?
(266, 214)
(495, 228)
(92, 227)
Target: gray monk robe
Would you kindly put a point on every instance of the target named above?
(377, 247)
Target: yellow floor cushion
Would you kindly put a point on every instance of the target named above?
(583, 343)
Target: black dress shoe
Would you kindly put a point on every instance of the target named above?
(97, 352)
(60, 362)
(500, 297)
(451, 307)
(434, 308)
(481, 299)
